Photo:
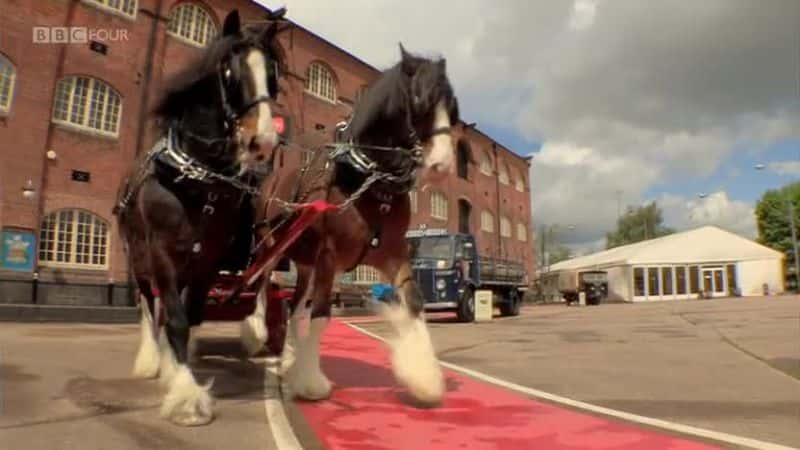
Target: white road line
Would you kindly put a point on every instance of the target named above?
(663, 424)
(282, 431)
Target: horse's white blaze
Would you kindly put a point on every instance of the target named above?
(146, 364)
(413, 358)
(253, 331)
(306, 379)
(265, 133)
(440, 158)
(187, 403)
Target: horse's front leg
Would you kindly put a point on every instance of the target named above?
(253, 330)
(147, 358)
(413, 356)
(306, 379)
(186, 403)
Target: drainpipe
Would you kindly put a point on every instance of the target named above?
(497, 196)
(48, 142)
(144, 97)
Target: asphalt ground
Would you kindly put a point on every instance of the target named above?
(728, 365)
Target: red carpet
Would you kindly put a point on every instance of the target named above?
(366, 411)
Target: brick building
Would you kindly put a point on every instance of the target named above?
(73, 116)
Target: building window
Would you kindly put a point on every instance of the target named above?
(680, 280)
(413, 200)
(125, 7)
(463, 157)
(366, 275)
(486, 164)
(7, 76)
(638, 282)
(503, 173)
(88, 104)
(487, 221)
(438, 206)
(522, 232)
(505, 226)
(519, 182)
(74, 238)
(694, 279)
(191, 23)
(320, 82)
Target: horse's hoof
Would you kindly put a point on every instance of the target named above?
(253, 334)
(192, 420)
(309, 386)
(188, 403)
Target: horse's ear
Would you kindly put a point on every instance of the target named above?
(232, 24)
(407, 61)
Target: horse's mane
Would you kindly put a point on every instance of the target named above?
(384, 98)
(182, 87)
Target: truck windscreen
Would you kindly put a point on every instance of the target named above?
(432, 247)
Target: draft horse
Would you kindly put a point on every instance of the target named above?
(399, 131)
(186, 201)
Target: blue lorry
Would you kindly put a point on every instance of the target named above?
(448, 271)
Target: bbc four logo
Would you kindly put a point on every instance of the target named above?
(77, 35)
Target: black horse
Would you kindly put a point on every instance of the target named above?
(188, 199)
(400, 134)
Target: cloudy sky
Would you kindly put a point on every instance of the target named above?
(623, 101)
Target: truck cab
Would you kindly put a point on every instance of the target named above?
(448, 270)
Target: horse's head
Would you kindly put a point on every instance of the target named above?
(433, 111)
(248, 82)
(223, 101)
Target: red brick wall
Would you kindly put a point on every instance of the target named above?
(26, 132)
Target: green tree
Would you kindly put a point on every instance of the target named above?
(559, 253)
(638, 224)
(772, 218)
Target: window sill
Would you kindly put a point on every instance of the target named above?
(187, 41)
(443, 219)
(66, 126)
(319, 97)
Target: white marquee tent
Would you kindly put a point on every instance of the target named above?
(681, 266)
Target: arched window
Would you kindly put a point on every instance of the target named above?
(190, 22)
(125, 7)
(505, 226)
(438, 205)
(487, 221)
(502, 173)
(522, 232)
(74, 238)
(486, 163)
(89, 104)
(7, 76)
(413, 197)
(463, 156)
(320, 82)
(366, 275)
(519, 181)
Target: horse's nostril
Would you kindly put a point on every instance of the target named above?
(254, 146)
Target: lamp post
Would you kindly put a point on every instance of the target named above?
(790, 210)
(547, 234)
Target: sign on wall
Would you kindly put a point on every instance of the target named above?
(18, 250)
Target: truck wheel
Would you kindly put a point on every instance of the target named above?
(511, 306)
(466, 307)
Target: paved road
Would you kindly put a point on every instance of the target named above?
(728, 365)
(69, 387)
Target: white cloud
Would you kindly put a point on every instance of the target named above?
(790, 168)
(624, 95)
(715, 209)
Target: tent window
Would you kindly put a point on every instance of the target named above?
(638, 282)
(666, 280)
(652, 282)
(680, 278)
(694, 280)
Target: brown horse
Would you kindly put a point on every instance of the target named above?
(401, 129)
(187, 198)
